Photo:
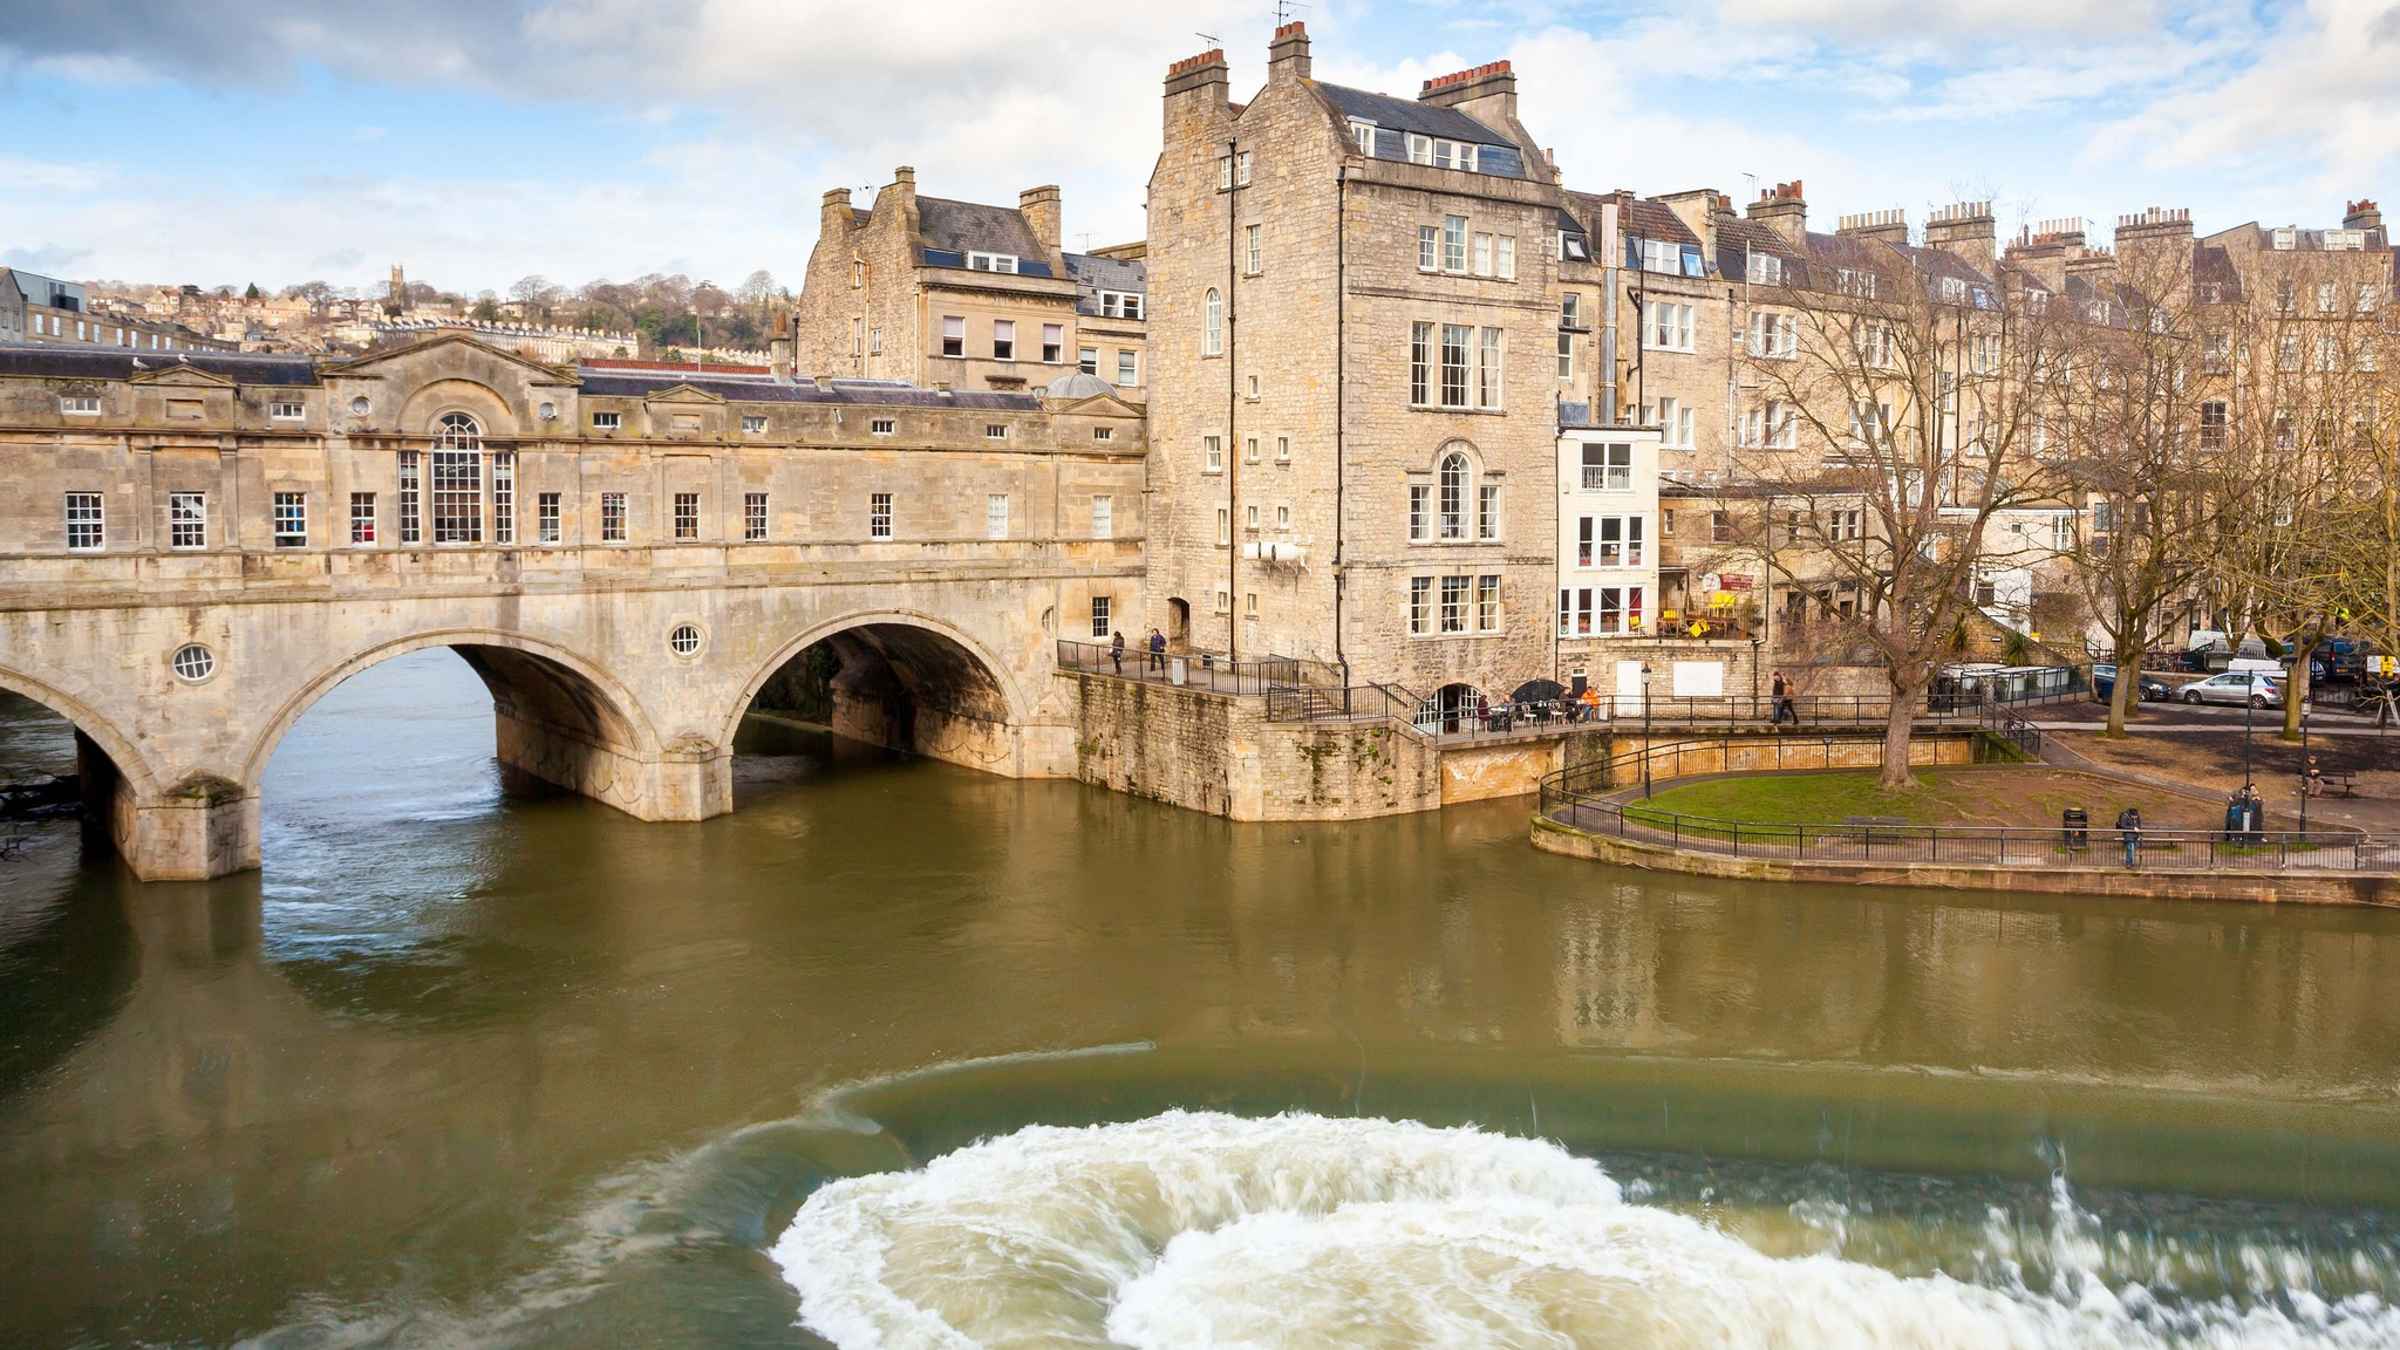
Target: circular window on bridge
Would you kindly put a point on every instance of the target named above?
(192, 663)
(360, 405)
(684, 640)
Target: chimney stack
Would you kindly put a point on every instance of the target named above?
(2362, 215)
(1883, 227)
(1488, 93)
(1783, 208)
(1966, 231)
(1039, 206)
(834, 218)
(1287, 55)
(1195, 91)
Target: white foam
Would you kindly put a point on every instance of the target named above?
(1196, 1229)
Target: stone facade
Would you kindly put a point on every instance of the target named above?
(197, 551)
(959, 295)
(1311, 552)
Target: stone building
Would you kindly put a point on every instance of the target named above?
(961, 295)
(40, 309)
(1354, 392)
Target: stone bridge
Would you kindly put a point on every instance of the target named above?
(182, 594)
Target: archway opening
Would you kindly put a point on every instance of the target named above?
(1453, 707)
(419, 740)
(53, 776)
(855, 697)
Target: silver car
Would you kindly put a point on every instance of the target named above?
(2237, 687)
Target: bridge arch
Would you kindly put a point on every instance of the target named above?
(922, 651)
(531, 679)
(95, 728)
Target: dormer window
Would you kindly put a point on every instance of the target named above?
(1363, 132)
(1121, 304)
(1766, 269)
(992, 262)
(1442, 154)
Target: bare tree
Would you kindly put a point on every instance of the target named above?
(2136, 440)
(1896, 403)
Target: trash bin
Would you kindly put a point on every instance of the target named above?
(1177, 671)
(2254, 829)
(2076, 825)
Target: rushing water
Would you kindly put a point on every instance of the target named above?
(900, 1054)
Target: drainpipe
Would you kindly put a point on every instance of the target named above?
(1608, 315)
(1341, 378)
(1233, 439)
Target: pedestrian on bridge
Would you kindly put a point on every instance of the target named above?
(1158, 650)
(1116, 650)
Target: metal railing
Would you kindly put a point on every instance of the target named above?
(1212, 671)
(1593, 798)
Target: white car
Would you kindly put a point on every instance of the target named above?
(2237, 687)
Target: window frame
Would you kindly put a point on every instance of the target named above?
(85, 513)
(288, 518)
(187, 520)
(879, 515)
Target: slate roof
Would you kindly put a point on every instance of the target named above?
(1738, 238)
(1093, 274)
(1394, 118)
(40, 360)
(58, 361)
(948, 226)
(627, 385)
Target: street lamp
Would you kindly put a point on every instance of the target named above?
(2249, 715)
(1646, 747)
(2307, 781)
(1755, 642)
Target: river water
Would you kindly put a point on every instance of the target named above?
(898, 1054)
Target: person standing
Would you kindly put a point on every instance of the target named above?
(1783, 701)
(1116, 650)
(1158, 650)
(2129, 828)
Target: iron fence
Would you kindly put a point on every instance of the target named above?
(1593, 798)
(1212, 671)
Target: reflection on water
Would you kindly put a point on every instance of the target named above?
(466, 1064)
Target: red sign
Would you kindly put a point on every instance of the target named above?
(1733, 582)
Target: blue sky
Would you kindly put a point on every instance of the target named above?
(478, 141)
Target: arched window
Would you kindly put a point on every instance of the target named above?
(1453, 475)
(1212, 338)
(457, 480)
(457, 431)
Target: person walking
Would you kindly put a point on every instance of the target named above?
(2129, 828)
(1158, 650)
(1783, 701)
(1116, 650)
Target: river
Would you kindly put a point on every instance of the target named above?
(901, 1054)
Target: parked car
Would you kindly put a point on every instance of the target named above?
(2104, 686)
(2237, 687)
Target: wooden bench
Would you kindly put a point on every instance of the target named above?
(2344, 783)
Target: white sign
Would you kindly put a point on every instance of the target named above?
(1699, 679)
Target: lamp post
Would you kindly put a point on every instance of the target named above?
(1755, 642)
(2307, 782)
(2249, 715)
(1646, 748)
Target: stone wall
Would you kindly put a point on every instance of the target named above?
(1217, 753)
(2308, 888)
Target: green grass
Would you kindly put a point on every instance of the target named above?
(1795, 799)
(1943, 797)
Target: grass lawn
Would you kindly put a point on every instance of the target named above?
(2030, 796)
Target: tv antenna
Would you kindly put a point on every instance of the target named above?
(1210, 38)
(1284, 9)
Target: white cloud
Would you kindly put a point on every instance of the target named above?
(1883, 21)
(2313, 110)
